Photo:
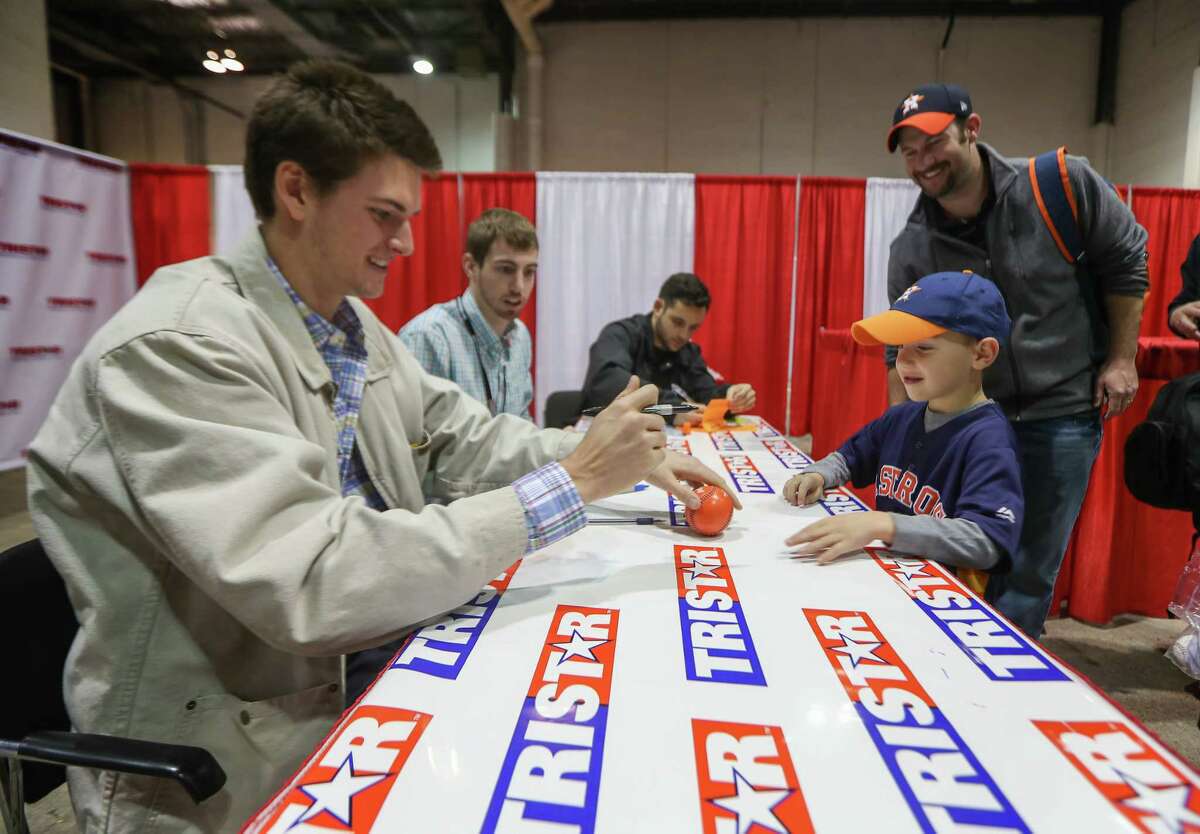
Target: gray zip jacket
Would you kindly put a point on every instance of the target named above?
(186, 486)
(1059, 339)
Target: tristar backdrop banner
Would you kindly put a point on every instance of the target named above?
(66, 265)
(639, 678)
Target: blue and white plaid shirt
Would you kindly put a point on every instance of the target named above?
(553, 508)
(440, 340)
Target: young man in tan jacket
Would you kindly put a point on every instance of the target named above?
(230, 479)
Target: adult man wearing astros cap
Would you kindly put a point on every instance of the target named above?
(1075, 324)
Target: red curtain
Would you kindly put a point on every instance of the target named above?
(1125, 556)
(744, 246)
(171, 216)
(829, 284)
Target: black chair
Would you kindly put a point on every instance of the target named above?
(38, 625)
(563, 408)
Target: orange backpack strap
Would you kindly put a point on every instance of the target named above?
(1056, 202)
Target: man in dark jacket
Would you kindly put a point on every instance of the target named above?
(1075, 326)
(658, 348)
(1183, 313)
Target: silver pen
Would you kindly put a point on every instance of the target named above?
(661, 409)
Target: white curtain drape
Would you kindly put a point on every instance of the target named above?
(889, 203)
(608, 241)
(232, 211)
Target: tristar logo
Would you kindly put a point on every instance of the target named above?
(1001, 651)
(107, 258)
(679, 443)
(904, 296)
(676, 512)
(717, 646)
(766, 430)
(56, 302)
(786, 453)
(941, 780)
(1006, 514)
(841, 501)
(550, 778)
(902, 487)
(746, 780)
(23, 250)
(746, 477)
(343, 786)
(1142, 785)
(9, 406)
(724, 441)
(911, 103)
(57, 204)
(442, 648)
(34, 351)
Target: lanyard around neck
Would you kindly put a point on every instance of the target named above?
(487, 386)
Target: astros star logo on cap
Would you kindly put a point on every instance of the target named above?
(912, 103)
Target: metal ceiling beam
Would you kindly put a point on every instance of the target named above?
(288, 27)
(96, 53)
(695, 9)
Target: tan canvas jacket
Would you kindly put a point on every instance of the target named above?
(185, 485)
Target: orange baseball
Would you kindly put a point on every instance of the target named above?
(714, 512)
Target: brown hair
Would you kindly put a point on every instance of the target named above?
(509, 226)
(685, 288)
(330, 119)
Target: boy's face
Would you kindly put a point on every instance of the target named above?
(505, 280)
(943, 366)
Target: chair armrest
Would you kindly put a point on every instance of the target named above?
(192, 767)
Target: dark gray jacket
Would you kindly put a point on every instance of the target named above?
(1048, 368)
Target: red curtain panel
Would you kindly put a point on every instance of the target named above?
(171, 215)
(1172, 220)
(829, 284)
(744, 249)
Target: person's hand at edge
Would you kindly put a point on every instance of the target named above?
(831, 538)
(679, 474)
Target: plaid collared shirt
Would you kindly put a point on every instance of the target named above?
(343, 347)
(553, 508)
(440, 340)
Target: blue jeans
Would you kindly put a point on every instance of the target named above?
(1056, 461)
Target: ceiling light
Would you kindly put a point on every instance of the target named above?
(422, 66)
(232, 64)
(214, 66)
(212, 56)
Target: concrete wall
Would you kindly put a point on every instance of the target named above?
(811, 96)
(1160, 50)
(25, 101)
(143, 122)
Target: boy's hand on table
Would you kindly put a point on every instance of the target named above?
(831, 538)
(804, 489)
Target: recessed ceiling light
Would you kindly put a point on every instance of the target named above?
(214, 66)
(422, 66)
(232, 64)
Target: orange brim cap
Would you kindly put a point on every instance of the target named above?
(928, 123)
(892, 327)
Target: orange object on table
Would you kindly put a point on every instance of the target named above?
(714, 513)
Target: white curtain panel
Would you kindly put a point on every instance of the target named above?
(889, 203)
(232, 212)
(608, 241)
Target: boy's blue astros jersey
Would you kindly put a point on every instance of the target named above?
(967, 468)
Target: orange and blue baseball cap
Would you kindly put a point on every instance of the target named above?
(962, 302)
(930, 109)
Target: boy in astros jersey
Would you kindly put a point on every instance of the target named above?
(947, 480)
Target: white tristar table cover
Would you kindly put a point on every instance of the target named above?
(642, 678)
